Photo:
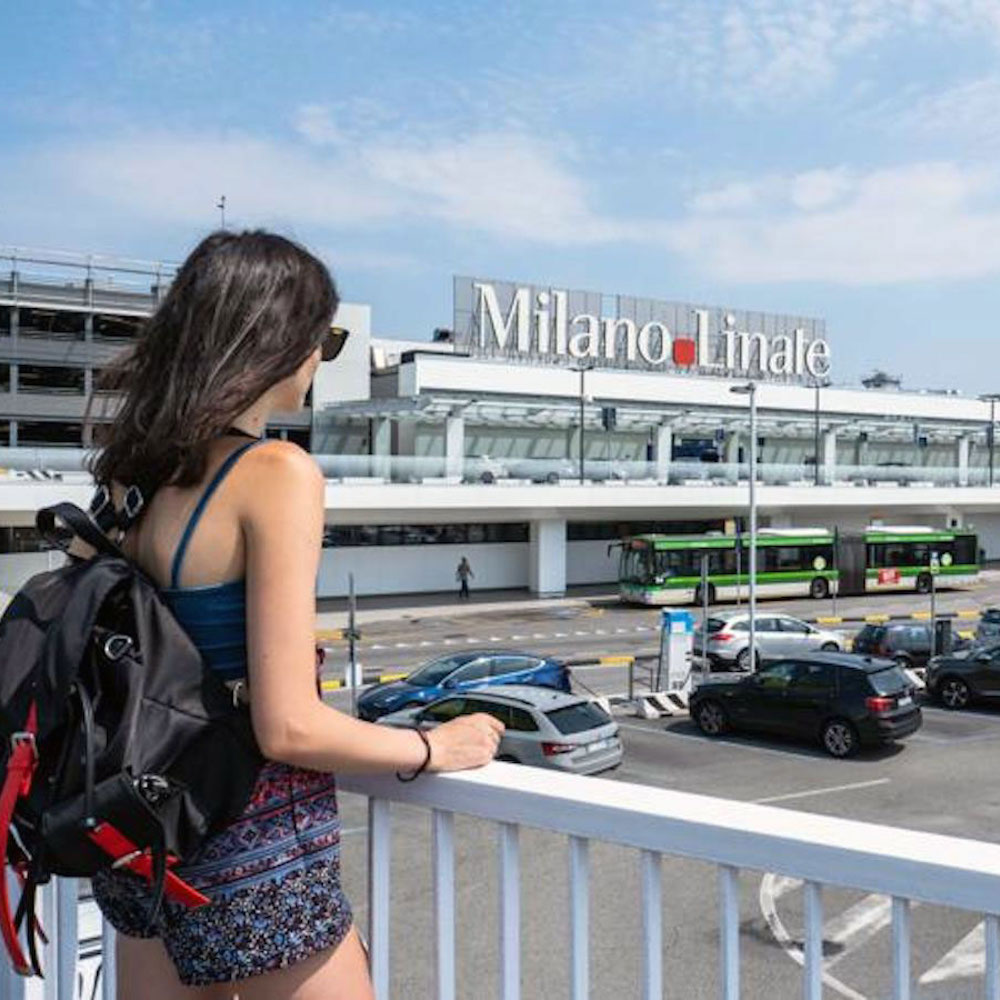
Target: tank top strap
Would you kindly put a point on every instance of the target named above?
(221, 472)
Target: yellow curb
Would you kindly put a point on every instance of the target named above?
(967, 634)
(968, 614)
(876, 618)
(616, 661)
(924, 616)
(830, 620)
(331, 685)
(391, 677)
(330, 634)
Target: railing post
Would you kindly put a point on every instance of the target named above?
(992, 932)
(729, 931)
(510, 913)
(65, 958)
(901, 986)
(109, 962)
(652, 925)
(444, 902)
(579, 914)
(11, 984)
(813, 945)
(379, 858)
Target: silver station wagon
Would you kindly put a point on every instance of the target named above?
(545, 728)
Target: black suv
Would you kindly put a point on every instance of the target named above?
(969, 675)
(843, 701)
(906, 644)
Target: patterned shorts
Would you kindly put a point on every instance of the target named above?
(273, 878)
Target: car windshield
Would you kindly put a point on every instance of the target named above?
(891, 681)
(436, 671)
(578, 718)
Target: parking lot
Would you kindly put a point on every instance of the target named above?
(942, 780)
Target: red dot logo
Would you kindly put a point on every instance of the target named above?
(685, 352)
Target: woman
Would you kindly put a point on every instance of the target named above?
(232, 532)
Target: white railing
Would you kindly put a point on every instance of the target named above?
(905, 865)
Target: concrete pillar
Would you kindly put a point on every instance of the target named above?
(861, 449)
(13, 433)
(13, 378)
(547, 558)
(454, 446)
(829, 470)
(663, 445)
(381, 446)
(15, 323)
(731, 455)
(962, 459)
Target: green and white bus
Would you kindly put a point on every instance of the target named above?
(794, 562)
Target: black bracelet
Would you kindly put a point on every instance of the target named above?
(427, 758)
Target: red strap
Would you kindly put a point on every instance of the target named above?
(115, 844)
(17, 784)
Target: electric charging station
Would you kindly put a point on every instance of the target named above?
(676, 646)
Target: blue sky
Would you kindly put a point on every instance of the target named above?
(836, 158)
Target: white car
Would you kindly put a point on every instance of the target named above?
(777, 636)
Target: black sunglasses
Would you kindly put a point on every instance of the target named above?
(333, 342)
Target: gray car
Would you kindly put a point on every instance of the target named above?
(544, 728)
(778, 636)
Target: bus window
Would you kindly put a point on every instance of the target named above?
(965, 553)
(635, 565)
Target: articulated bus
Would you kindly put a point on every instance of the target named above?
(795, 562)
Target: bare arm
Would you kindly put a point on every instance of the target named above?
(283, 526)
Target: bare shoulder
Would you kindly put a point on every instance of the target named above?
(280, 471)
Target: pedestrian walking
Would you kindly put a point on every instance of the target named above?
(463, 574)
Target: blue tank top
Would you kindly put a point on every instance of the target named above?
(213, 615)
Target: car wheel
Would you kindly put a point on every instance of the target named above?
(924, 583)
(743, 659)
(954, 693)
(699, 597)
(839, 738)
(829, 647)
(819, 589)
(710, 718)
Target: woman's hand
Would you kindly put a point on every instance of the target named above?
(468, 741)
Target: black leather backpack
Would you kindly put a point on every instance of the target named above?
(118, 746)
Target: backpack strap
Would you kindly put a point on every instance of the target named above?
(20, 770)
(221, 472)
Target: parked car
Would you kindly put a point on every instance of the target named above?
(843, 701)
(777, 636)
(544, 727)
(989, 625)
(472, 668)
(965, 676)
(908, 644)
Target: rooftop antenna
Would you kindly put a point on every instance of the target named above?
(221, 206)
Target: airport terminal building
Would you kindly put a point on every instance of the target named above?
(537, 428)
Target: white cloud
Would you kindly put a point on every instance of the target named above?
(919, 222)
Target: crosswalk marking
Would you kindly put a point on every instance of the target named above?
(967, 958)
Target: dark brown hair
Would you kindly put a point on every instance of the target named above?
(244, 312)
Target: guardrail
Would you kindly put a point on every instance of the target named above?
(906, 865)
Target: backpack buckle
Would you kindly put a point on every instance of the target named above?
(24, 738)
(116, 646)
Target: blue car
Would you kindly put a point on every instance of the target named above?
(472, 668)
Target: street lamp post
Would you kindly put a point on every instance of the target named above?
(750, 389)
(583, 367)
(991, 398)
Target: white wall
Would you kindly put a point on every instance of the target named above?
(987, 526)
(398, 569)
(589, 562)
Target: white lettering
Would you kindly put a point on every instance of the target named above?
(818, 358)
(646, 343)
(585, 343)
(542, 331)
(519, 313)
(747, 343)
(611, 328)
(560, 321)
(782, 361)
(704, 347)
(800, 350)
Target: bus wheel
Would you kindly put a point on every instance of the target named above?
(819, 589)
(699, 597)
(924, 583)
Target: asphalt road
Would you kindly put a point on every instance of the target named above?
(951, 761)
(404, 640)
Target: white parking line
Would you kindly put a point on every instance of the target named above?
(822, 791)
